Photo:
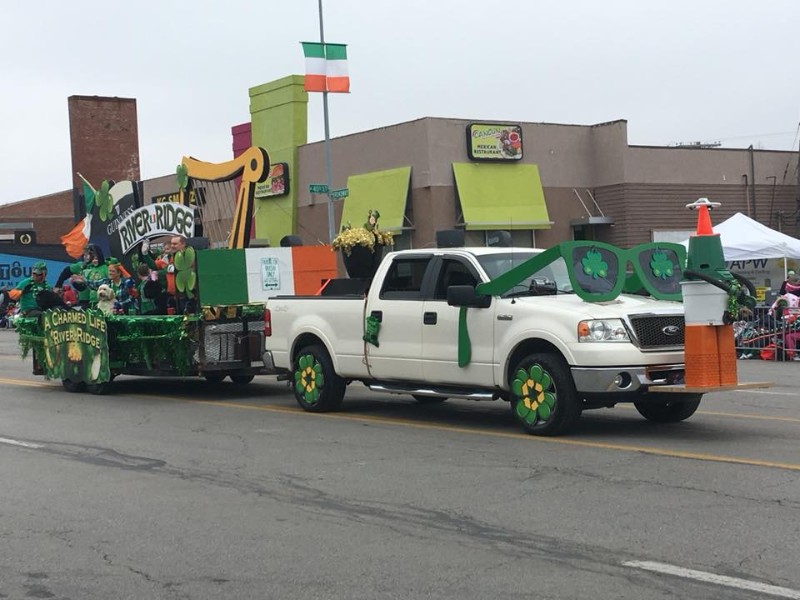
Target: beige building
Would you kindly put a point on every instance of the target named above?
(595, 185)
(560, 182)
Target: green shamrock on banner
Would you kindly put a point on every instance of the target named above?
(105, 203)
(185, 277)
(183, 176)
(661, 266)
(594, 265)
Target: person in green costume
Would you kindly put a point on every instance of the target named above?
(25, 291)
(86, 278)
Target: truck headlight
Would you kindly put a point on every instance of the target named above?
(602, 330)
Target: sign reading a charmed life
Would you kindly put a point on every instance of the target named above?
(153, 220)
(75, 346)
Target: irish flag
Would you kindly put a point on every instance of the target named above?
(326, 67)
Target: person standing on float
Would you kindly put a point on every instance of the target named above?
(25, 291)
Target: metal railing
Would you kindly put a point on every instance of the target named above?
(769, 335)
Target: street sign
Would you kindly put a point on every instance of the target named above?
(343, 193)
(318, 188)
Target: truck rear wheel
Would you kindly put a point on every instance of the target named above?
(241, 379)
(675, 407)
(214, 377)
(317, 387)
(543, 395)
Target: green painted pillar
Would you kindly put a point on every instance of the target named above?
(279, 124)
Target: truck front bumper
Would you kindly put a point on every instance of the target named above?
(623, 380)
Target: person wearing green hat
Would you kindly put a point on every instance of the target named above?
(25, 291)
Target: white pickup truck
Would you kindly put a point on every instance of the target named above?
(538, 345)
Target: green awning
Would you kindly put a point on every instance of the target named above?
(384, 191)
(501, 196)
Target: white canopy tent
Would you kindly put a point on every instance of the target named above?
(745, 239)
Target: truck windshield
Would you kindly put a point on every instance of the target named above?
(552, 279)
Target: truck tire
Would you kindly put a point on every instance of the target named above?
(241, 379)
(73, 387)
(543, 395)
(675, 408)
(317, 387)
(214, 378)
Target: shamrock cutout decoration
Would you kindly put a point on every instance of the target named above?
(661, 265)
(105, 203)
(185, 277)
(183, 176)
(594, 265)
(308, 378)
(532, 388)
(372, 327)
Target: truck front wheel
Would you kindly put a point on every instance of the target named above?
(317, 387)
(543, 395)
(675, 407)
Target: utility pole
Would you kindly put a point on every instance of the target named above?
(753, 180)
(328, 178)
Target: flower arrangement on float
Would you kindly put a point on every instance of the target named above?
(362, 247)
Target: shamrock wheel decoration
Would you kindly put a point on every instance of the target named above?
(185, 277)
(532, 387)
(308, 379)
(594, 265)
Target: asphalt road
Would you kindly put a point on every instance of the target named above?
(178, 489)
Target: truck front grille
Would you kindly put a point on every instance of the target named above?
(658, 331)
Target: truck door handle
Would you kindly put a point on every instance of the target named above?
(429, 318)
(378, 314)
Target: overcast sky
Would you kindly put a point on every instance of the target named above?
(677, 70)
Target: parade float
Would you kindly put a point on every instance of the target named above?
(222, 333)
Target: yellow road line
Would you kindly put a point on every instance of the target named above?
(517, 436)
(22, 382)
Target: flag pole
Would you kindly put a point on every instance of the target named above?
(328, 182)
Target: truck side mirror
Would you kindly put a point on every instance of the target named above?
(464, 295)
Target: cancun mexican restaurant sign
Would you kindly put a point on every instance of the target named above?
(75, 346)
(154, 220)
(486, 141)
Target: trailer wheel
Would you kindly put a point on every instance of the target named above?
(543, 395)
(73, 387)
(99, 389)
(317, 387)
(214, 377)
(241, 379)
(676, 408)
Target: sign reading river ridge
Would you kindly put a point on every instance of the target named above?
(153, 220)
